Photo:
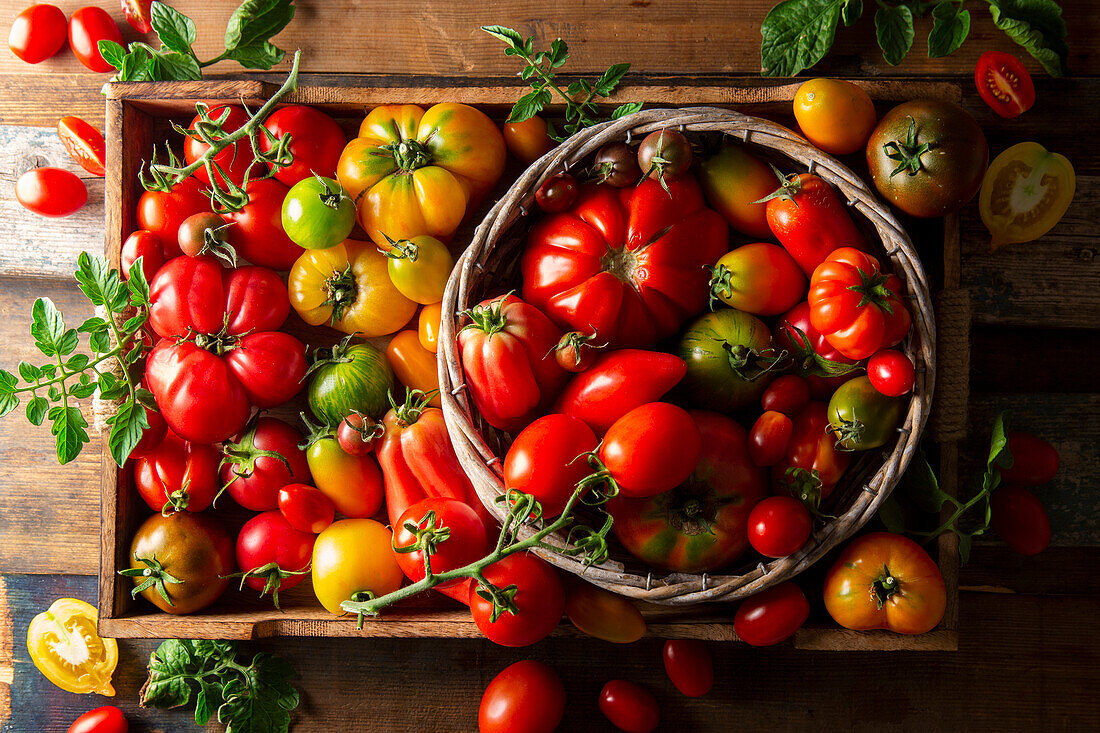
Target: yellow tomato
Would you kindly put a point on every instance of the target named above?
(414, 365)
(835, 115)
(349, 288)
(1025, 192)
(419, 267)
(733, 181)
(604, 615)
(428, 326)
(65, 647)
(353, 555)
(527, 140)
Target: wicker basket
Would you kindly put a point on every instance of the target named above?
(488, 267)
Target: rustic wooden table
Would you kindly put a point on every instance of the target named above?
(1029, 654)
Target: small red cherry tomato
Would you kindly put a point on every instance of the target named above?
(84, 144)
(357, 436)
(305, 508)
(87, 27)
(138, 15)
(526, 697)
(148, 247)
(466, 540)
(788, 394)
(629, 706)
(1004, 84)
(51, 192)
(769, 438)
(1034, 461)
(772, 615)
(779, 526)
(1019, 518)
(37, 33)
(689, 666)
(557, 193)
(891, 373)
(107, 719)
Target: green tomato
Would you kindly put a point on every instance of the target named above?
(355, 377)
(318, 213)
(862, 417)
(730, 358)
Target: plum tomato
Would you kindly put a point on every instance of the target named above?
(37, 33)
(734, 182)
(616, 164)
(604, 615)
(689, 666)
(664, 155)
(305, 508)
(528, 140)
(526, 697)
(835, 115)
(262, 460)
(651, 449)
(84, 144)
(547, 460)
(316, 141)
(1004, 84)
(769, 437)
(272, 554)
(107, 719)
(758, 278)
(428, 325)
(87, 27)
(148, 247)
(772, 615)
(788, 394)
(413, 365)
(52, 192)
(779, 526)
(557, 193)
(233, 160)
(891, 372)
(353, 556)
(420, 525)
(357, 435)
(1034, 461)
(1019, 518)
(539, 601)
(629, 706)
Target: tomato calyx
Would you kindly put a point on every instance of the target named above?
(847, 432)
(155, 576)
(807, 486)
(790, 185)
(503, 599)
(178, 500)
(369, 431)
(341, 291)
(575, 350)
(273, 576)
(906, 152)
(690, 509)
(750, 364)
(216, 244)
(873, 291)
(884, 587)
(814, 363)
(427, 538)
(315, 432)
(402, 249)
(416, 401)
(409, 155)
(331, 196)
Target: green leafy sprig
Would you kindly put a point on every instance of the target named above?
(247, 41)
(579, 96)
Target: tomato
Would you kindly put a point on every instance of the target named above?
(528, 140)
(262, 460)
(835, 115)
(539, 601)
(272, 555)
(616, 164)
(862, 417)
(927, 157)
(734, 181)
(1004, 84)
(858, 308)
(779, 526)
(772, 615)
(526, 697)
(138, 15)
(357, 436)
(258, 227)
(638, 454)
(626, 263)
(1019, 518)
(234, 160)
(37, 33)
(788, 394)
(352, 556)
(107, 719)
(354, 378)
(87, 27)
(1034, 461)
(1025, 192)
(757, 278)
(891, 373)
(162, 212)
(419, 268)
(604, 615)
(810, 220)
(769, 438)
(547, 460)
(664, 155)
(575, 351)
(885, 581)
(51, 192)
(507, 357)
(151, 436)
(317, 213)
(618, 382)
(199, 234)
(629, 706)
(353, 483)
(347, 287)
(689, 666)
(84, 144)
(557, 193)
(428, 325)
(148, 247)
(701, 525)
(413, 172)
(466, 540)
(730, 357)
(177, 475)
(305, 508)
(814, 357)
(414, 366)
(180, 561)
(813, 465)
(316, 141)
(64, 645)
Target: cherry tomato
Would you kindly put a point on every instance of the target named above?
(545, 460)
(664, 155)
(769, 438)
(51, 192)
(1018, 518)
(233, 160)
(273, 554)
(351, 556)
(148, 247)
(162, 212)
(616, 165)
(84, 144)
(1004, 84)
(575, 351)
(428, 324)
(466, 541)
(604, 615)
(891, 373)
(539, 601)
(651, 449)
(779, 526)
(835, 115)
(526, 697)
(138, 15)
(87, 27)
(528, 140)
(316, 141)
(419, 268)
(788, 394)
(772, 615)
(37, 33)
(689, 666)
(1034, 461)
(353, 483)
(629, 706)
(357, 436)
(305, 508)
(192, 235)
(262, 460)
(107, 719)
(557, 193)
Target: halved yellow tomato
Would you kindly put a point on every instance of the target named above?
(1025, 192)
(604, 615)
(64, 645)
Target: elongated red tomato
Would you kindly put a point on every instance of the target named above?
(306, 508)
(37, 33)
(769, 438)
(629, 706)
(689, 666)
(759, 278)
(84, 144)
(107, 719)
(526, 697)
(1018, 518)
(810, 221)
(87, 27)
(772, 615)
(1004, 84)
(51, 192)
(1034, 461)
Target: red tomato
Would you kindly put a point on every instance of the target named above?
(814, 358)
(51, 192)
(270, 366)
(466, 542)
(526, 697)
(757, 278)
(557, 193)
(772, 615)
(148, 247)
(37, 33)
(810, 221)
(1018, 518)
(107, 719)
(305, 508)
(539, 601)
(1004, 84)
(891, 373)
(84, 144)
(689, 666)
(629, 706)
(788, 394)
(262, 460)
(162, 212)
(779, 526)
(200, 399)
(769, 438)
(235, 159)
(1034, 461)
(575, 351)
(272, 554)
(357, 436)
(813, 465)
(151, 436)
(137, 14)
(528, 140)
(258, 227)
(177, 475)
(651, 449)
(546, 460)
(87, 27)
(316, 142)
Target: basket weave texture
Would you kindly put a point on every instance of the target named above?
(488, 268)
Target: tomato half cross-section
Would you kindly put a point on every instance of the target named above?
(65, 647)
(1026, 191)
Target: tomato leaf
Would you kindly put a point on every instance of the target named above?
(8, 399)
(259, 56)
(894, 30)
(101, 284)
(626, 109)
(127, 425)
(172, 66)
(999, 455)
(950, 27)
(529, 105)
(851, 12)
(965, 541)
(796, 34)
(1038, 26)
(259, 700)
(175, 30)
(511, 37)
(606, 84)
(256, 21)
(48, 328)
(69, 430)
(891, 515)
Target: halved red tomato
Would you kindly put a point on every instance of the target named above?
(84, 144)
(1004, 84)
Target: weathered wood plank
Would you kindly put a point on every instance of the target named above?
(1015, 359)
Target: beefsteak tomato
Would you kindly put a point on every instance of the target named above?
(177, 475)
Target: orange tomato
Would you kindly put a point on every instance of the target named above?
(604, 615)
(835, 115)
(414, 365)
(733, 181)
(428, 326)
(528, 140)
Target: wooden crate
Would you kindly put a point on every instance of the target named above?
(137, 117)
